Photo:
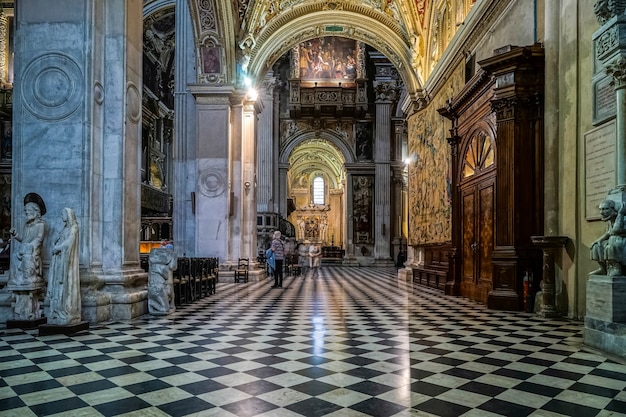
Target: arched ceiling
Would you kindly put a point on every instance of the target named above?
(272, 27)
(315, 156)
(253, 34)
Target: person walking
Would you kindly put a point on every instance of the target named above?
(315, 254)
(278, 248)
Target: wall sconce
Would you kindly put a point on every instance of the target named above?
(247, 185)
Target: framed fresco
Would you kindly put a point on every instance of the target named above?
(211, 60)
(330, 58)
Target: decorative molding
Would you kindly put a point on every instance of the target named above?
(52, 90)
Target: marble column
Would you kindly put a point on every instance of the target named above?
(267, 148)
(184, 190)
(249, 178)
(386, 94)
(552, 156)
(76, 137)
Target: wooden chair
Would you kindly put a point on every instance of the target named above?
(182, 291)
(241, 273)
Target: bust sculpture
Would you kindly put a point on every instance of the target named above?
(161, 281)
(609, 250)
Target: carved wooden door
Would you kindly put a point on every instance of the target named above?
(477, 218)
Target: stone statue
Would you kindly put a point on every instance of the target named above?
(609, 250)
(161, 281)
(302, 227)
(63, 276)
(27, 256)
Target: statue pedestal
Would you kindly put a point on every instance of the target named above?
(605, 320)
(26, 307)
(26, 324)
(66, 329)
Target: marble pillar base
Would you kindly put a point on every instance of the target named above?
(605, 320)
(128, 305)
(405, 274)
(384, 262)
(350, 261)
(66, 329)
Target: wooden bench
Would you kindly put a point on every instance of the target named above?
(434, 272)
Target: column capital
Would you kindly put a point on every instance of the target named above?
(386, 91)
(616, 68)
(605, 10)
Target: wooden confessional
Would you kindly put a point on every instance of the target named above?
(497, 169)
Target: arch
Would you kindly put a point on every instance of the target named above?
(156, 6)
(334, 138)
(385, 36)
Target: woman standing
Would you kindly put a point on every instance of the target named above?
(278, 248)
(64, 278)
(315, 254)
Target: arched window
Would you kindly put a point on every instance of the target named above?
(318, 190)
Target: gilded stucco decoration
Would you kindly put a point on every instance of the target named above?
(4, 50)
(206, 11)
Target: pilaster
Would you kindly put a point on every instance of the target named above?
(267, 145)
(77, 143)
(386, 95)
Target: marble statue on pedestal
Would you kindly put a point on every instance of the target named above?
(162, 263)
(25, 279)
(27, 256)
(609, 250)
(64, 277)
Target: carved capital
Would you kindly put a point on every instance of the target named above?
(386, 91)
(617, 70)
(605, 10)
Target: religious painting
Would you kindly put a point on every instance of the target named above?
(362, 192)
(328, 58)
(211, 60)
(363, 141)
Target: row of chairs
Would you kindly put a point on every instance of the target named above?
(194, 279)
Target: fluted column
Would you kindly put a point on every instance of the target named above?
(386, 93)
(267, 150)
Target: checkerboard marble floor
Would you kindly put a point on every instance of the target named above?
(353, 342)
